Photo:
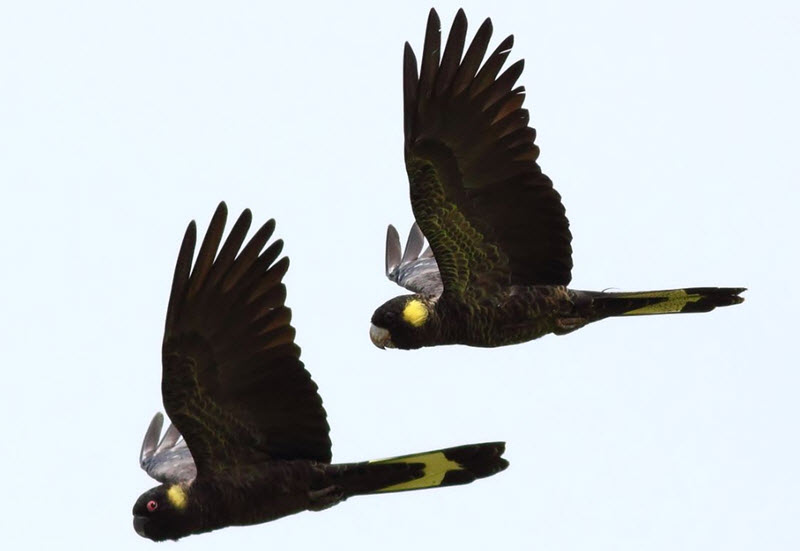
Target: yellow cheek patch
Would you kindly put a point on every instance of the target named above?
(177, 496)
(415, 312)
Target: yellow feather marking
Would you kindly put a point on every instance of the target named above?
(436, 466)
(177, 496)
(674, 301)
(415, 312)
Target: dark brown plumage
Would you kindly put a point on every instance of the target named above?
(255, 436)
(497, 229)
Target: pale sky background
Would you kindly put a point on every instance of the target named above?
(671, 132)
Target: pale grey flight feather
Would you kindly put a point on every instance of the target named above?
(168, 460)
(414, 271)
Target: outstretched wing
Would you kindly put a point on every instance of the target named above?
(168, 460)
(233, 383)
(487, 210)
(410, 269)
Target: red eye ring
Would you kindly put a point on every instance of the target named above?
(152, 505)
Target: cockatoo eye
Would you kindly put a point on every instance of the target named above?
(152, 505)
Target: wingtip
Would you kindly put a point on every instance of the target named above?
(393, 251)
(220, 214)
(281, 266)
(486, 26)
(151, 436)
(409, 57)
(414, 244)
(433, 19)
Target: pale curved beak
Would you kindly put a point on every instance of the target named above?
(380, 337)
(138, 525)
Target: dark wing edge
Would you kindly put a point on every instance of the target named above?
(167, 460)
(408, 268)
(488, 211)
(233, 383)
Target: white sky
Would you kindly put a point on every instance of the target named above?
(671, 133)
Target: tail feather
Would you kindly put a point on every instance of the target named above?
(673, 301)
(447, 467)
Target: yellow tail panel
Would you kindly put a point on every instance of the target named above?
(436, 467)
(674, 302)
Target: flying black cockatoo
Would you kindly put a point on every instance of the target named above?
(500, 258)
(249, 441)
